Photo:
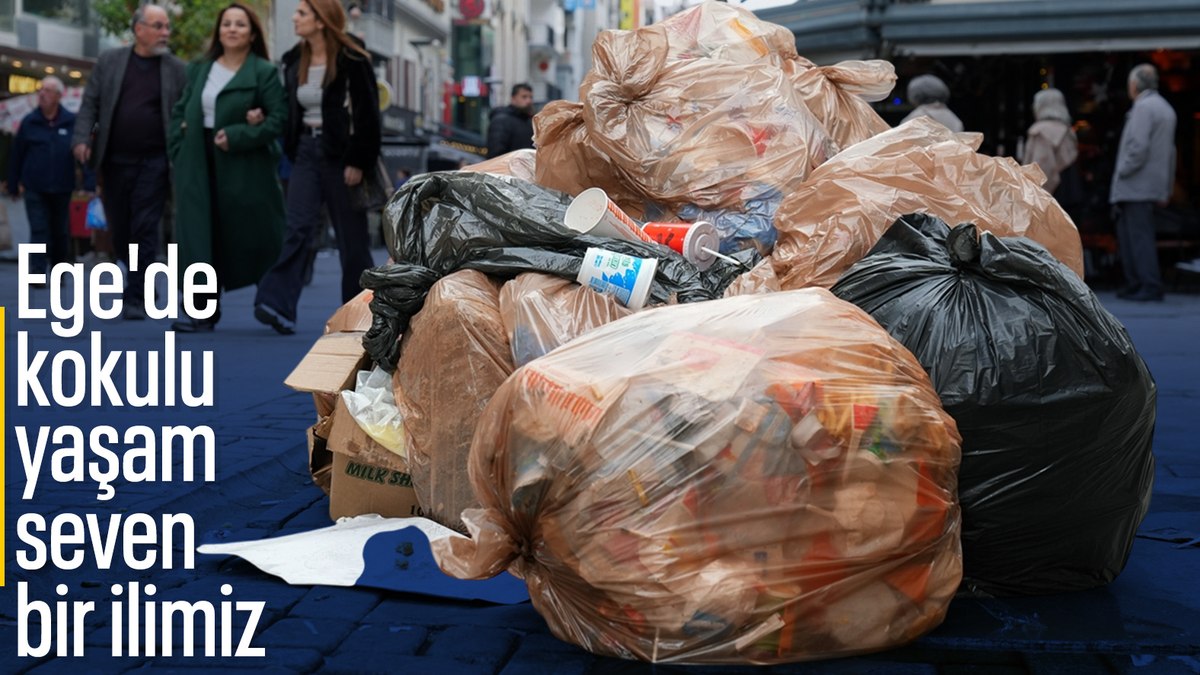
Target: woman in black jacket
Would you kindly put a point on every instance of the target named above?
(332, 138)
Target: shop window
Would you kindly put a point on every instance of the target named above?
(74, 12)
(7, 10)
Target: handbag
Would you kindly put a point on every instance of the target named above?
(373, 191)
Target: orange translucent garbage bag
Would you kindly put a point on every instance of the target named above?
(846, 205)
(542, 312)
(518, 164)
(454, 356)
(567, 160)
(838, 95)
(708, 132)
(758, 479)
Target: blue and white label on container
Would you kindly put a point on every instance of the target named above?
(617, 274)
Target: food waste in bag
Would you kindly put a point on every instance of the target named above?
(760, 479)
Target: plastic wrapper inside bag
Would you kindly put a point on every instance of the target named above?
(759, 479)
(848, 203)
(454, 357)
(541, 312)
(373, 407)
(439, 223)
(1055, 407)
(704, 131)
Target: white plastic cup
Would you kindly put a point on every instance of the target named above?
(592, 212)
(622, 276)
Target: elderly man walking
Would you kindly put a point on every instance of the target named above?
(122, 130)
(42, 170)
(1144, 176)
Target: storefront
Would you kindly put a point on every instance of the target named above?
(996, 55)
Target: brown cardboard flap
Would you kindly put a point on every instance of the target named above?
(319, 457)
(331, 365)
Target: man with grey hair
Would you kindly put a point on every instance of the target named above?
(930, 94)
(42, 170)
(1144, 176)
(122, 131)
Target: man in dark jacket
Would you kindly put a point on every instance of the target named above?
(511, 127)
(122, 132)
(42, 170)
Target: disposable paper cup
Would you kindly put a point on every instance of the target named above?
(688, 239)
(592, 212)
(622, 276)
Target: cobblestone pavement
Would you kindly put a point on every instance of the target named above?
(1148, 621)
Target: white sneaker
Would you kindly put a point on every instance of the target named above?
(1192, 266)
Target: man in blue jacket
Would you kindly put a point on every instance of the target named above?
(1144, 177)
(42, 170)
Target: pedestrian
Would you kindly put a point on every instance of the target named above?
(930, 94)
(332, 136)
(1051, 144)
(1143, 178)
(511, 127)
(42, 170)
(121, 130)
(224, 150)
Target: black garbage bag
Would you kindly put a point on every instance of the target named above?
(439, 223)
(1055, 407)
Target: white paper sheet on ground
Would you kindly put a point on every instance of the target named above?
(391, 553)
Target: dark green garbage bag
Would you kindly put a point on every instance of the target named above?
(1055, 407)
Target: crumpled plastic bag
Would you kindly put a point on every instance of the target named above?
(838, 214)
(454, 356)
(758, 479)
(518, 163)
(439, 223)
(1055, 407)
(838, 95)
(706, 131)
(373, 407)
(541, 313)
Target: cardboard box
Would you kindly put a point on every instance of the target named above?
(320, 460)
(366, 477)
(331, 364)
(355, 315)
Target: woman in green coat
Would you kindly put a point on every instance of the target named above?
(225, 158)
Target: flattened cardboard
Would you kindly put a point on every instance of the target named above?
(331, 365)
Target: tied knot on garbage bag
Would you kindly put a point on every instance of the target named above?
(1055, 407)
(759, 479)
(443, 222)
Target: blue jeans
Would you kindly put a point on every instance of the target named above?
(315, 179)
(48, 214)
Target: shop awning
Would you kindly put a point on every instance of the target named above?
(828, 30)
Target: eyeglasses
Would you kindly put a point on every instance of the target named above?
(157, 25)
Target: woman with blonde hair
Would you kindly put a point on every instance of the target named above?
(1051, 143)
(332, 138)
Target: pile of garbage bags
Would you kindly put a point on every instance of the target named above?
(752, 468)
(750, 480)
